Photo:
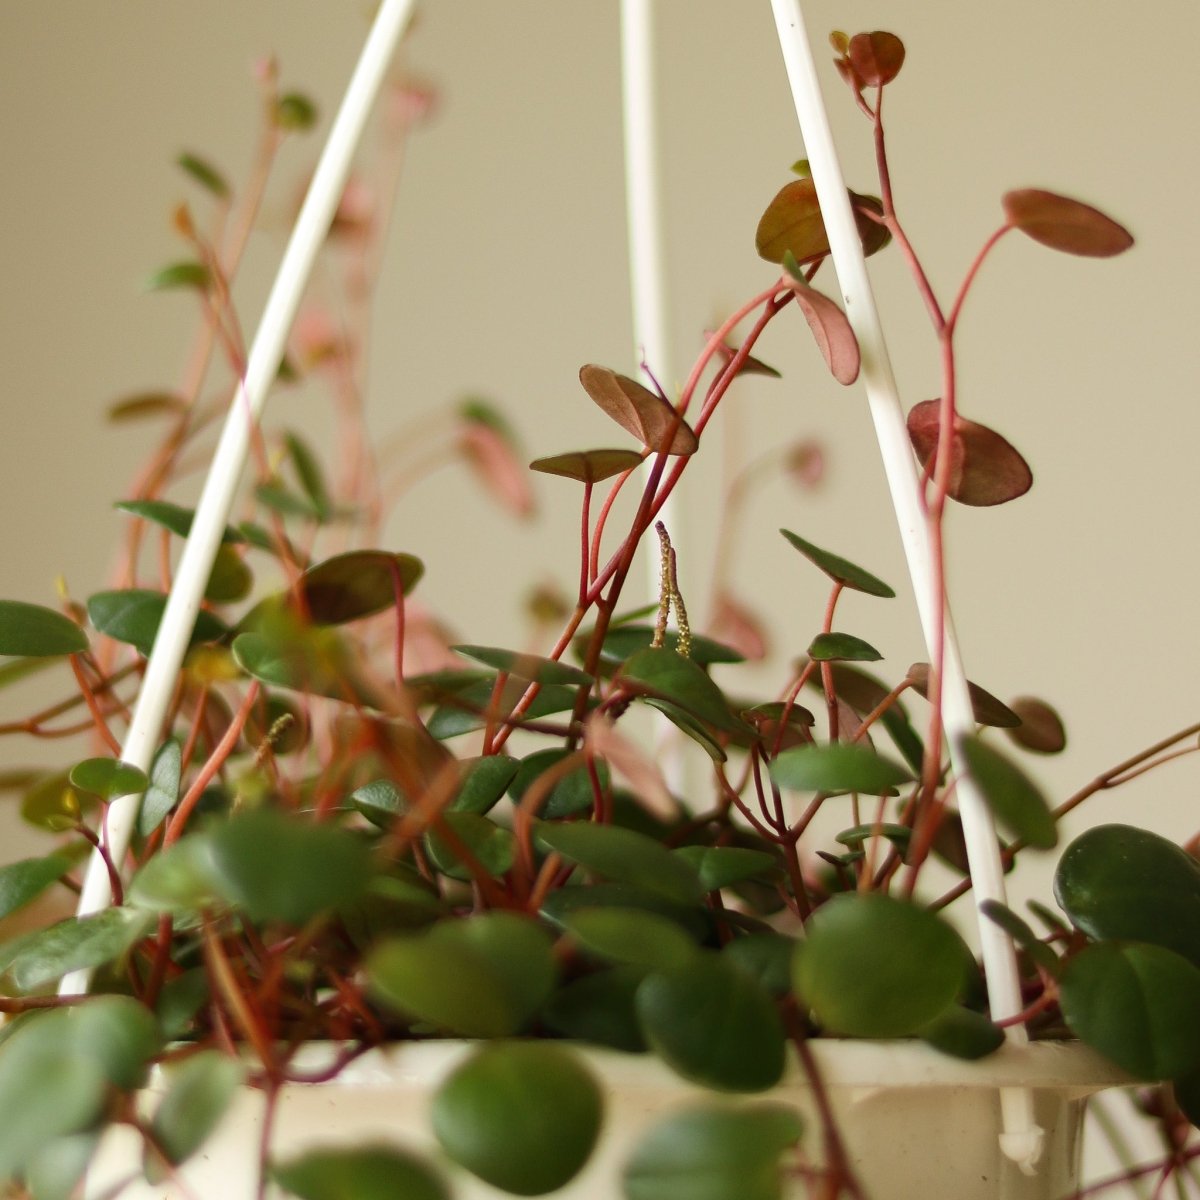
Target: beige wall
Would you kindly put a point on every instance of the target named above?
(506, 272)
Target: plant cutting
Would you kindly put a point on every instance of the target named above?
(351, 849)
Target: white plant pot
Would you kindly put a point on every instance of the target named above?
(916, 1124)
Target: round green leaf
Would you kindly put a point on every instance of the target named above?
(53, 804)
(484, 782)
(669, 676)
(837, 767)
(561, 903)
(714, 1024)
(133, 616)
(721, 866)
(120, 1034)
(875, 966)
(599, 1008)
(571, 794)
(630, 935)
(179, 879)
(714, 1153)
(623, 856)
(588, 466)
(482, 976)
(54, 1172)
(842, 647)
(492, 846)
(359, 1173)
(199, 1092)
(108, 778)
(162, 792)
(1012, 796)
(522, 1116)
(838, 569)
(963, 1033)
(1137, 1005)
(276, 867)
(74, 944)
(37, 632)
(1121, 882)
(380, 801)
(230, 579)
(295, 111)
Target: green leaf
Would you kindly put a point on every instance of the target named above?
(669, 676)
(295, 111)
(766, 956)
(55, 1170)
(830, 647)
(525, 666)
(276, 867)
(875, 966)
(133, 616)
(180, 879)
(963, 1033)
(146, 404)
(638, 410)
(77, 943)
(313, 660)
(599, 1008)
(713, 1024)
(1012, 796)
(310, 475)
(205, 174)
(492, 846)
(170, 516)
(162, 792)
(838, 569)
(1020, 932)
(522, 1116)
(624, 856)
(1121, 882)
(720, 866)
(484, 781)
(571, 794)
(1137, 1005)
(180, 275)
(23, 881)
(359, 1173)
(108, 778)
(630, 935)
(199, 1092)
(714, 1153)
(462, 711)
(559, 905)
(622, 641)
(230, 579)
(898, 835)
(588, 466)
(53, 804)
(68, 1097)
(120, 1033)
(837, 767)
(37, 632)
(380, 801)
(482, 976)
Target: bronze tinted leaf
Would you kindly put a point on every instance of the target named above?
(985, 469)
(1065, 224)
(588, 466)
(876, 57)
(356, 584)
(637, 409)
(792, 223)
(985, 707)
(1041, 728)
(830, 327)
(749, 365)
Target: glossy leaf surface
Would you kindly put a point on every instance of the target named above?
(638, 410)
(1121, 882)
(713, 1024)
(162, 792)
(108, 777)
(669, 676)
(842, 647)
(37, 632)
(1136, 1004)
(523, 1116)
(630, 935)
(76, 943)
(875, 966)
(133, 616)
(720, 866)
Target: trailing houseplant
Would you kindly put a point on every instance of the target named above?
(357, 834)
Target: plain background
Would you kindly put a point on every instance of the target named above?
(506, 271)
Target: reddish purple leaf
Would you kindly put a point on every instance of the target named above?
(876, 57)
(1064, 224)
(830, 327)
(749, 365)
(637, 409)
(984, 468)
(792, 224)
(985, 707)
(1041, 728)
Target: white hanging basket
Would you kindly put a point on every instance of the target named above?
(916, 1124)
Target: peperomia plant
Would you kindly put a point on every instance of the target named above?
(357, 833)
